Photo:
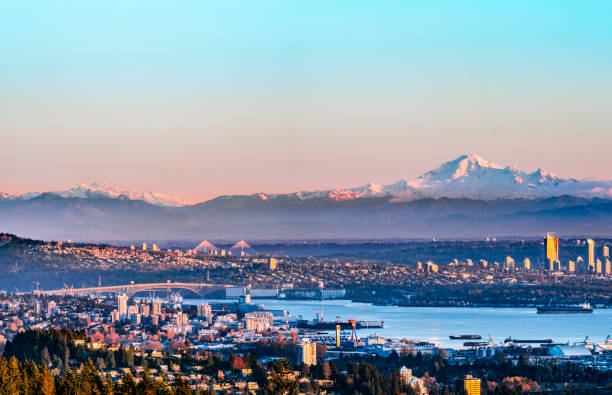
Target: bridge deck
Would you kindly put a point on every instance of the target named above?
(133, 288)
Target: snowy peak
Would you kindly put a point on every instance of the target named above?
(475, 169)
(95, 189)
(472, 176)
(366, 191)
(463, 166)
(101, 189)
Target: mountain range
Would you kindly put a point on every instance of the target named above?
(467, 197)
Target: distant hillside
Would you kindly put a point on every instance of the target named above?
(53, 217)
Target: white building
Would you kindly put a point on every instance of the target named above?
(235, 292)
(327, 293)
(122, 307)
(575, 351)
(307, 353)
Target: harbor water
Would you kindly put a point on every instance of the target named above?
(436, 324)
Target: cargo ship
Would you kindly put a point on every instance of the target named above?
(584, 308)
(528, 341)
(476, 344)
(465, 337)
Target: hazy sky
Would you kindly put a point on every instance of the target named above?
(197, 98)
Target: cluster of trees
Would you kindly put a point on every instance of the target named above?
(58, 349)
(29, 378)
(39, 344)
(81, 370)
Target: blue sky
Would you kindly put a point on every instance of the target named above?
(203, 98)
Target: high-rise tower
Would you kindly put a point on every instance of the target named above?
(552, 250)
(591, 255)
(122, 306)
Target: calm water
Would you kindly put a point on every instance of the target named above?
(435, 324)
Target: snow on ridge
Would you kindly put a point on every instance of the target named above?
(101, 189)
(468, 176)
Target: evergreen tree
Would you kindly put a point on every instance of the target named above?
(14, 377)
(128, 385)
(68, 383)
(109, 386)
(47, 382)
(282, 382)
(181, 386)
(30, 377)
(161, 387)
(109, 360)
(90, 379)
(4, 377)
(146, 385)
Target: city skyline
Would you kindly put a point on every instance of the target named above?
(200, 100)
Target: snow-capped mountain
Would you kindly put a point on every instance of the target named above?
(466, 197)
(468, 176)
(101, 189)
(474, 177)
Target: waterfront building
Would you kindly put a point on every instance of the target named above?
(552, 249)
(264, 293)
(307, 353)
(591, 254)
(244, 299)
(570, 351)
(333, 293)
(235, 292)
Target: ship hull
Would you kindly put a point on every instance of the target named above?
(465, 337)
(331, 325)
(565, 311)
